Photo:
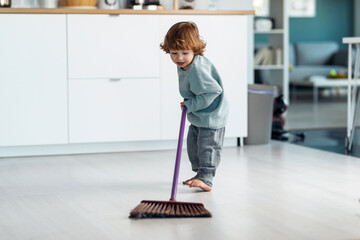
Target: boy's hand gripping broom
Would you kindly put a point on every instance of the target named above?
(171, 208)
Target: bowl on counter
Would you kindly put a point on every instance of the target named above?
(79, 3)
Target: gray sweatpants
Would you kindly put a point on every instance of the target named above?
(204, 147)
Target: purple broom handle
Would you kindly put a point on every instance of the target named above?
(178, 155)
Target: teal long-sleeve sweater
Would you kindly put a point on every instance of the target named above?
(202, 88)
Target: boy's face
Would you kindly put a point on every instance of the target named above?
(182, 58)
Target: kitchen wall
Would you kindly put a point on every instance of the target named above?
(357, 18)
(234, 4)
(334, 20)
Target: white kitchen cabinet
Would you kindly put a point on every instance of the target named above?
(71, 79)
(33, 80)
(105, 110)
(226, 38)
(113, 46)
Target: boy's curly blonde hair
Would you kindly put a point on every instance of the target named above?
(183, 36)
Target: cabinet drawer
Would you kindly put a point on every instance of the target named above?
(103, 110)
(106, 46)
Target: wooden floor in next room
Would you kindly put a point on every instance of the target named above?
(327, 113)
(275, 191)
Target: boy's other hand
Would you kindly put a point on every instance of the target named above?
(182, 105)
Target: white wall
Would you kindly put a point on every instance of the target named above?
(231, 5)
(235, 4)
(357, 18)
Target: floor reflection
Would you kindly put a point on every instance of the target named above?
(332, 140)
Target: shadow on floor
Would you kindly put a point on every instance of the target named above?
(332, 140)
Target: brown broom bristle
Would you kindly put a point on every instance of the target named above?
(168, 209)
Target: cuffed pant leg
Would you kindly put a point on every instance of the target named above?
(192, 147)
(209, 143)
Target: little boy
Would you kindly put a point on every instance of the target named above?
(207, 109)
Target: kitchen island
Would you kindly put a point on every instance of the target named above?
(94, 80)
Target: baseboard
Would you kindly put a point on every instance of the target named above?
(88, 148)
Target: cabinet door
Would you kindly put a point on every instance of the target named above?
(103, 110)
(33, 81)
(227, 49)
(107, 46)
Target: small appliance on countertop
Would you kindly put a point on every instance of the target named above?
(25, 4)
(186, 4)
(110, 4)
(143, 4)
(5, 3)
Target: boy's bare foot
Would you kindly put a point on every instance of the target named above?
(193, 182)
(186, 182)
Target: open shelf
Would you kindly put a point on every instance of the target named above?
(271, 65)
(272, 31)
(268, 67)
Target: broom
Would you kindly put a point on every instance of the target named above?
(171, 208)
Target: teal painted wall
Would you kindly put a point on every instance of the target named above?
(333, 21)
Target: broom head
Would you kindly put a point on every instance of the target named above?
(168, 209)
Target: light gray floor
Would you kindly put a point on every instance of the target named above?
(276, 191)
